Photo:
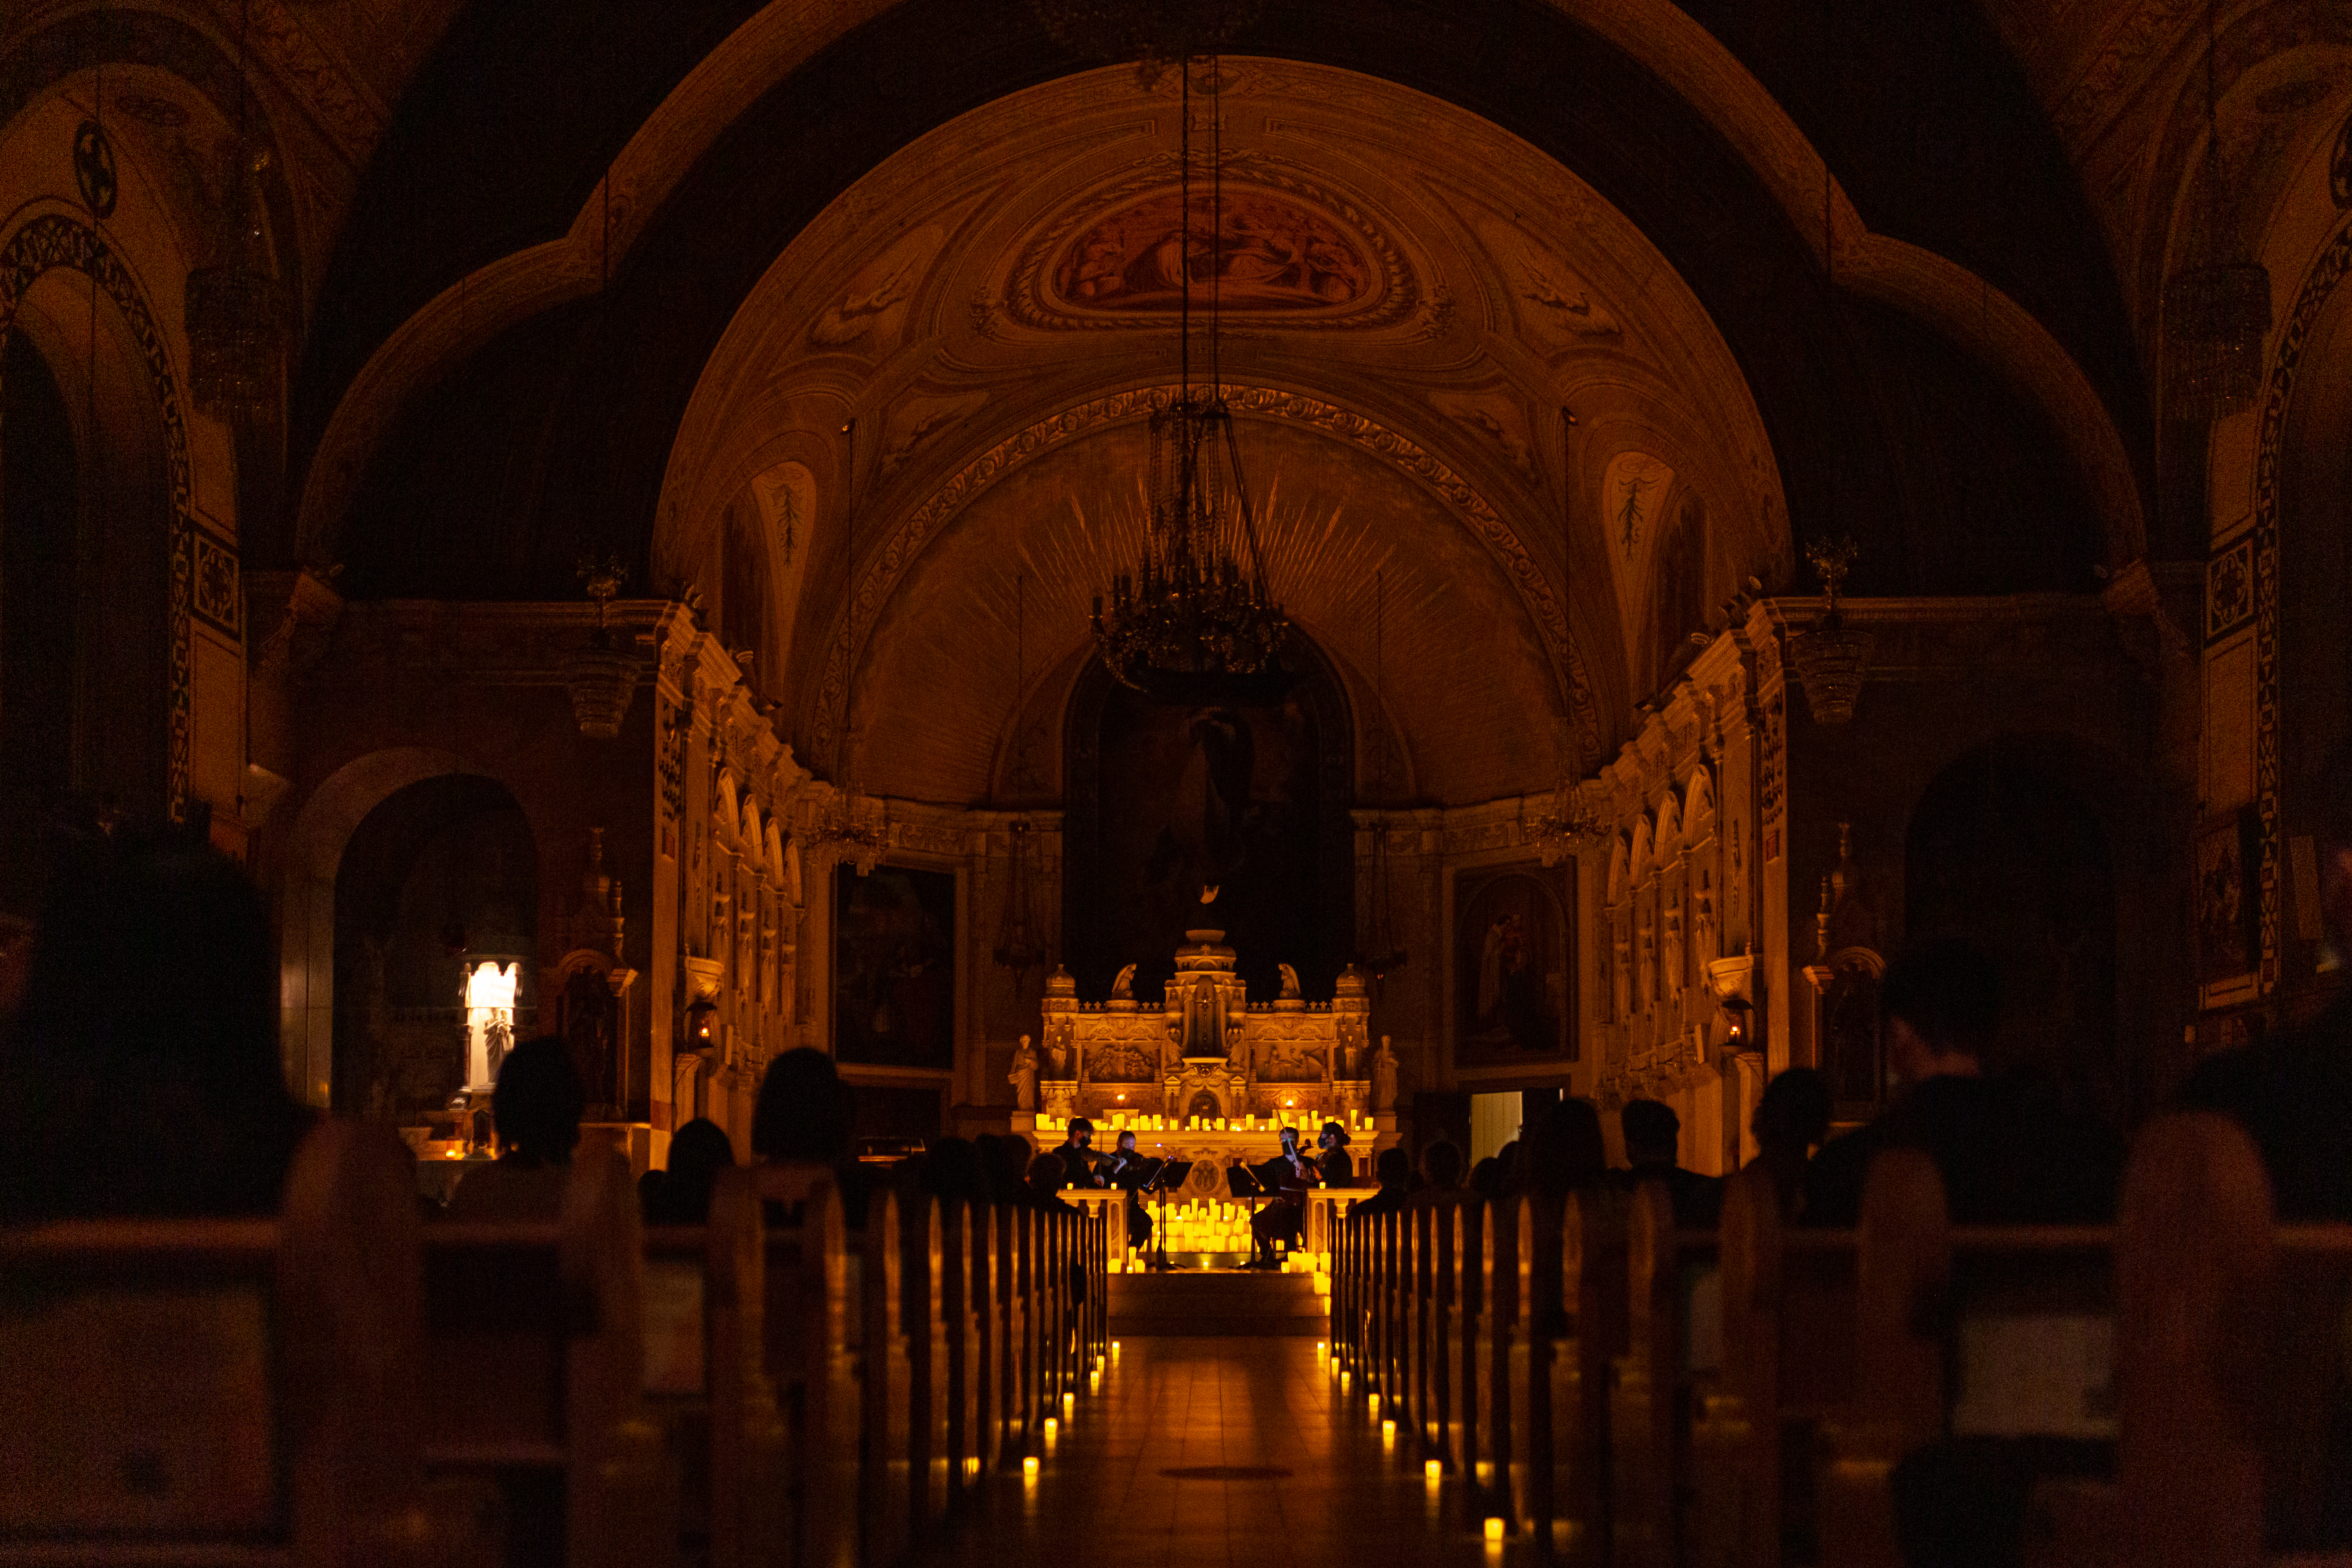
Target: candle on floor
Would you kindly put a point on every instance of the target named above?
(1494, 1530)
(1388, 1434)
(1052, 1430)
(1029, 1469)
(1433, 1471)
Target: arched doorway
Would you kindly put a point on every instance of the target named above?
(2004, 851)
(91, 621)
(436, 881)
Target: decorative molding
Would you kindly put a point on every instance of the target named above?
(2318, 285)
(897, 555)
(53, 240)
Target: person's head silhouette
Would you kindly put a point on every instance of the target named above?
(538, 1102)
(804, 1113)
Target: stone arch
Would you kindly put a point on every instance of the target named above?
(52, 240)
(305, 915)
(891, 561)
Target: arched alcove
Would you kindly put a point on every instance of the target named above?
(1251, 796)
(439, 877)
(87, 540)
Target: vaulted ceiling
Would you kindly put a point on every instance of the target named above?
(614, 276)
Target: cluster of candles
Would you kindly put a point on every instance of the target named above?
(1137, 1121)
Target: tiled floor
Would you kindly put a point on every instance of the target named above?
(1104, 1494)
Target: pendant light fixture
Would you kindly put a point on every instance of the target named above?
(1194, 621)
(235, 310)
(2216, 315)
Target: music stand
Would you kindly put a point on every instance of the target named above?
(1170, 1173)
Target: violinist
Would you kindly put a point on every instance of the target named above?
(1079, 1157)
(1287, 1176)
(1131, 1172)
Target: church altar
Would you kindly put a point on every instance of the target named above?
(1207, 1075)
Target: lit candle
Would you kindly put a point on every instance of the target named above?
(1375, 1400)
(1114, 1347)
(1494, 1531)
(1433, 1472)
(1029, 1469)
(1052, 1430)
(1070, 1405)
(1388, 1435)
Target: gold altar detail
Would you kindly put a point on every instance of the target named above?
(1206, 1053)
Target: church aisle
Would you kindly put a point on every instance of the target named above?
(1327, 1494)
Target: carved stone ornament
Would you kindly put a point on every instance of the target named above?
(603, 681)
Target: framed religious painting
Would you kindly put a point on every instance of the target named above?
(1513, 953)
(2228, 943)
(894, 982)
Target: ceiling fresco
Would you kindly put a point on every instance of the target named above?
(1271, 247)
(1389, 269)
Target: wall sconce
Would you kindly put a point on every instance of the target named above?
(701, 1025)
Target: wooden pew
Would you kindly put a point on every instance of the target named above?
(2231, 1361)
(533, 1333)
(887, 1435)
(1016, 1360)
(966, 1299)
(814, 1340)
(1417, 1259)
(929, 1394)
(707, 1375)
(224, 1391)
(1788, 1319)
(1994, 1332)
(1670, 1275)
(1463, 1353)
(1575, 1306)
(1499, 1471)
(1442, 1412)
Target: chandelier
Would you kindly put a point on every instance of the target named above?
(853, 827)
(1569, 818)
(235, 311)
(1830, 656)
(1196, 611)
(1155, 33)
(602, 675)
(2216, 315)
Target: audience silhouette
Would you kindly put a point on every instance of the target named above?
(2008, 1151)
(1653, 1135)
(536, 1108)
(682, 1195)
(141, 1074)
(1791, 1119)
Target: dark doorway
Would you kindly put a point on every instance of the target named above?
(2004, 852)
(442, 872)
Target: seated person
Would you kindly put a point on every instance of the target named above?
(1129, 1171)
(1046, 1172)
(682, 1195)
(1287, 1176)
(1653, 1136)
(1338, 1169)
(537, 1107)
(1393, 1170)
(1077, 1155)
(805, 1116)
(2008, 1153)
(1791, 1119)
(1441, 1167)
(142, 1073)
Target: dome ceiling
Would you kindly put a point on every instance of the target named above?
(1422, 292)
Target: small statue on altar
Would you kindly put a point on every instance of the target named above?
(1290, 992)
(1024, 1076)
(1384, 1075)
(1122, 986)
(497, 1039)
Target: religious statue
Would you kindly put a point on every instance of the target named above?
(1122, 986)
(1290, 992)
(1024, 1076)
(1671, 970)
(1384, 1075)
(1645, 959)
(497, 1039)
(1703, 921)
(1620, 970)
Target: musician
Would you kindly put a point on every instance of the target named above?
(1131, 1172)
(1079, 1157)
(1338, 1169)
(1287, 1176)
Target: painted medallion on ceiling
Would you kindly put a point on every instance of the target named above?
(1276, 248)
